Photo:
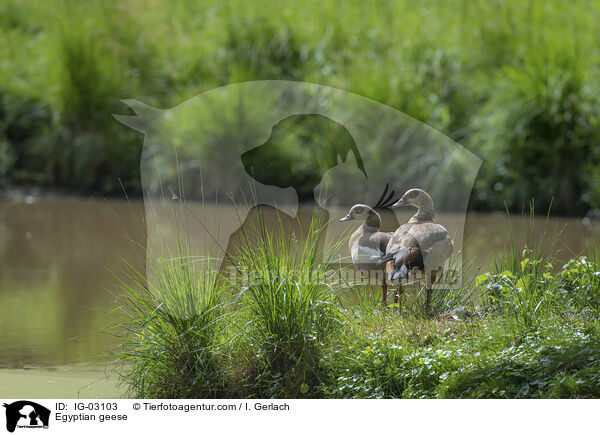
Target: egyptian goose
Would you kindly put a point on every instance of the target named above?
(367, 244)
(421, 243)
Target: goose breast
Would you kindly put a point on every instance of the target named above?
(368, 247)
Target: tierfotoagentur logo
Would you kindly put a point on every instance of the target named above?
(25, 414)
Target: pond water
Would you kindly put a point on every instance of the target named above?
(58, 261)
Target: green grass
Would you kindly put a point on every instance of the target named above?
(520, 284)
(517, 84)
(528, 328)
(286, 308)
(169, 327)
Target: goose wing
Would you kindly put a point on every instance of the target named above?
(435, 243)
(422, 245)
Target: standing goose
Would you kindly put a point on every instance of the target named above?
(367, 244)
(421, 243)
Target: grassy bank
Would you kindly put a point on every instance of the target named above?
(528, 328)
(515, 83)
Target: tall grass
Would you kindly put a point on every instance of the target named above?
(521, 281)
(189, 332)
(290, 306)
(454, 293)
(170, 327)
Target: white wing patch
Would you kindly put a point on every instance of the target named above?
(366, 255)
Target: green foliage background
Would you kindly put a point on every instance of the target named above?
(515, 82)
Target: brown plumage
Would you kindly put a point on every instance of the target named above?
(421, 243)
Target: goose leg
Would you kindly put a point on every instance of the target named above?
(430, 279)
(397, 296)
(384, 291)
(428, 301)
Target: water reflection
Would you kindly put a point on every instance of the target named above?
(57, 261)
(56, 272)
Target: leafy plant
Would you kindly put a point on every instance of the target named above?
(579, 280)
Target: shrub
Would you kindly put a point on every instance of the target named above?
(22, 121)
(538, 131)
(579, 281)
(258, 49)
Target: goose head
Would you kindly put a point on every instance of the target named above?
(362, 212)
(421, 200)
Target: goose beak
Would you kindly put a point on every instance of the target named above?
(348, 217)
(400, 203)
